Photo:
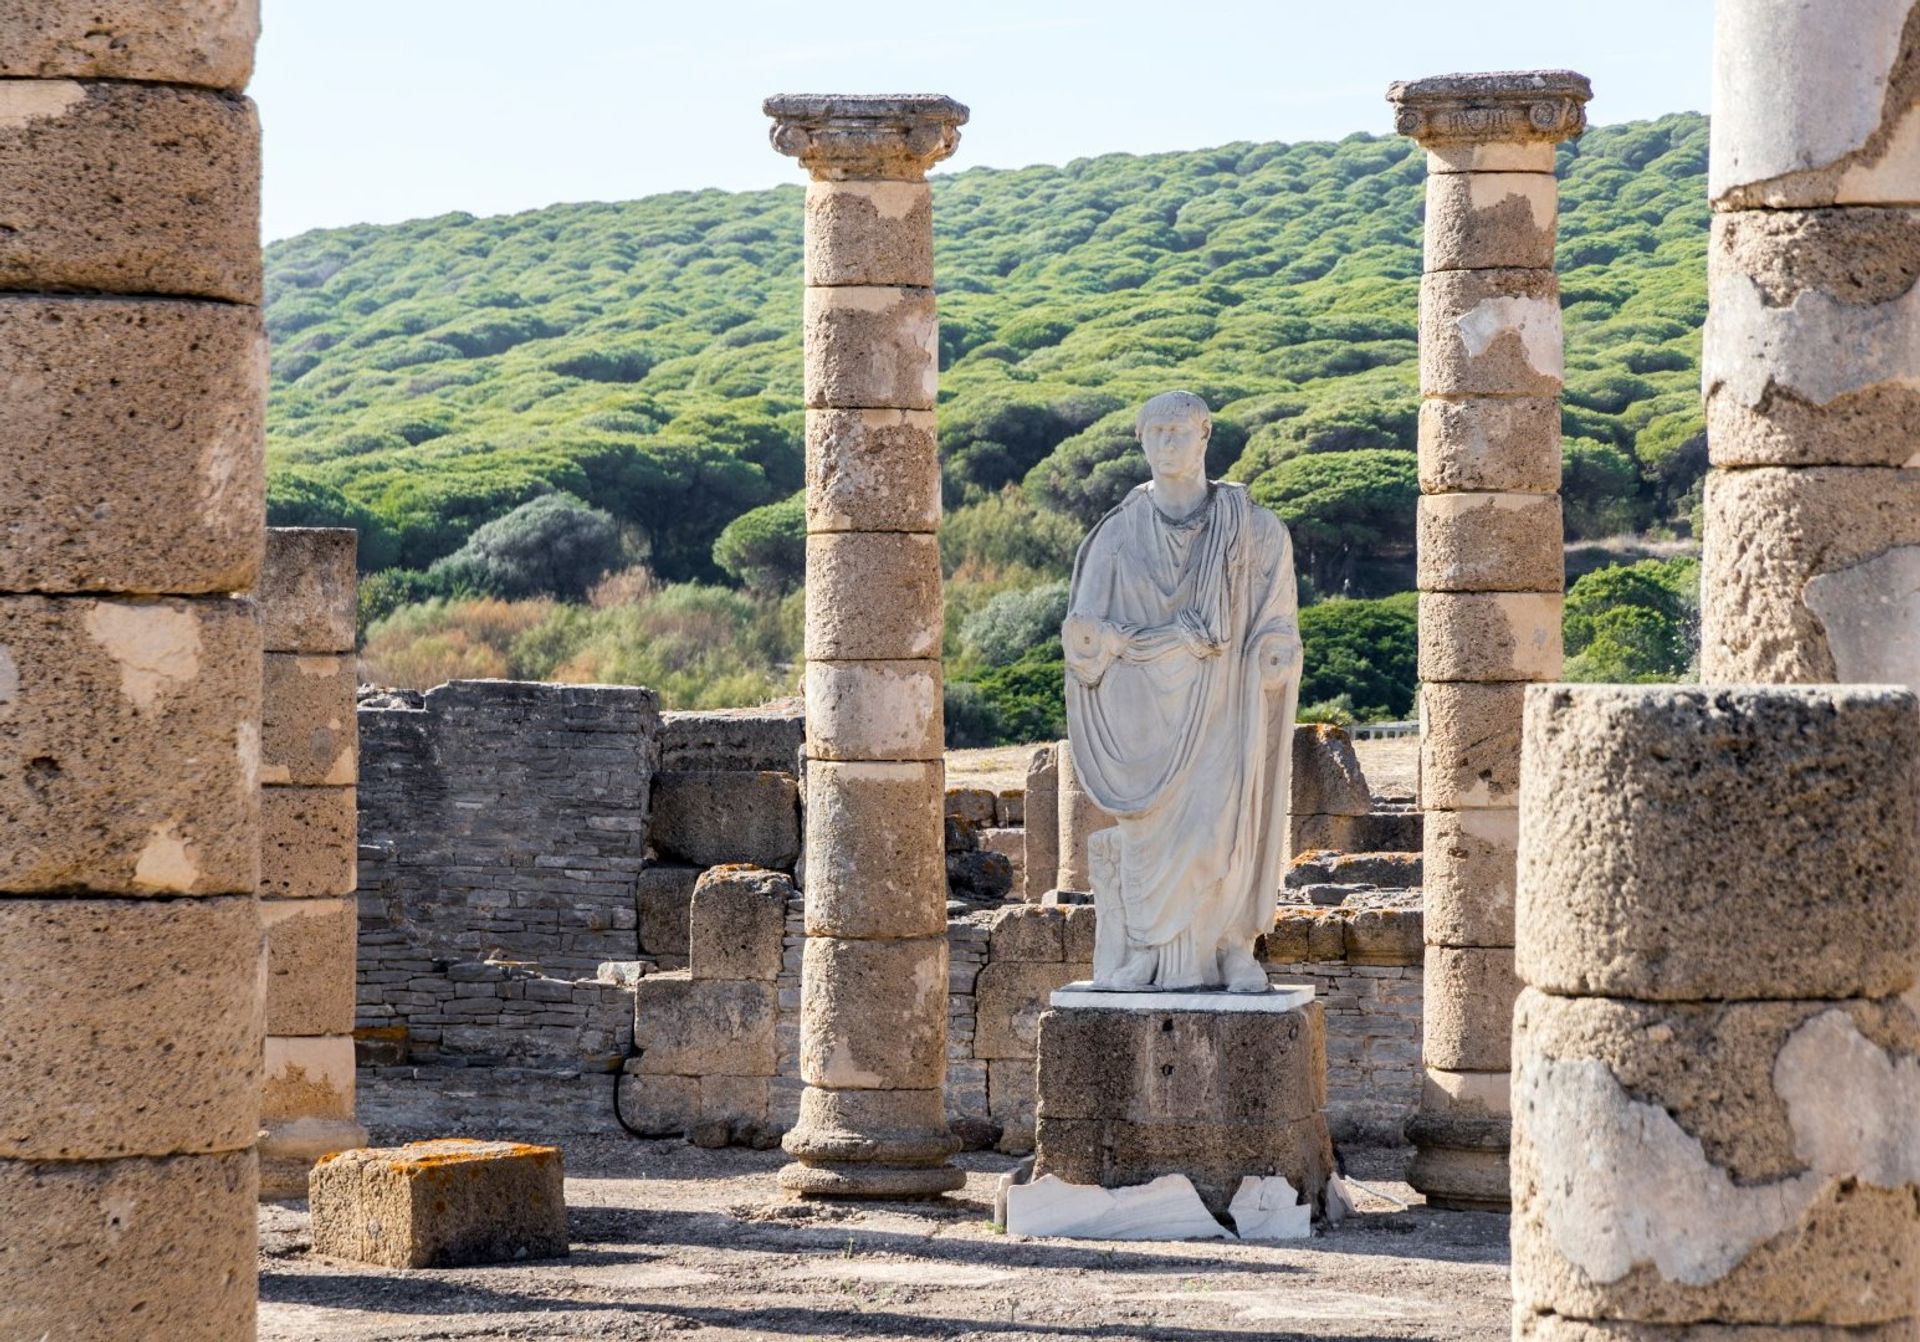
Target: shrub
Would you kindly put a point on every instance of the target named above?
(765, 548)
(554, 545)
(1012, 622)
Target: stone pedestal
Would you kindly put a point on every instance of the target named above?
(1719, 921)
(131, 447)
(1211, 1085)
(873, 1010)
(1490, 570)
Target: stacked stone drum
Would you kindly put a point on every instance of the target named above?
(134, 363)
(873, 1026)
(1490, 572)
(1715, 1071)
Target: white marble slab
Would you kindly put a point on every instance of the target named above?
(1278, 998)
(1166, 1209)
(1270, 1208)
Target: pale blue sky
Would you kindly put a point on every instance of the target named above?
(382, 110)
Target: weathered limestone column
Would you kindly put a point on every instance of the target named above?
(1080, 818)
(134, 363)
(309, 763)
(1714, 1066)
(1042, 821)
(1490, 572)
(1811, 363)
(873, 987)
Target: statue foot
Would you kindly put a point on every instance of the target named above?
(1136, 971)
(1243, 973)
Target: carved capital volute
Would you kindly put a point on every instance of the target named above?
(1506, 108)
(854, 137)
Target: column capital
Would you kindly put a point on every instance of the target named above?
(1514, 106)
(841, 136)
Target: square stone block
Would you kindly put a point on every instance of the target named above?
(129, 1250)
(738, 923)
(1031, 934)
(871, 348)
(658, 1106)
(310, 965)
(204, 42)
(873, 596)
(664, 893)
(123, 188)
(1470, 745)
(876, 866)
(688, 1027)
(766, 737)
(307, 589)
(1490, 543)
(874, 710)
(131, 1027)
(870, 232)
(1498, 444)
(453, 1202)
(1327, 778)
(1490, 332)
(1490, 636)
(740, 1102)
(1009, 998)
(1010, 1101)
(308, 844)
(707, 817)
(132, 444)
(309, 734)
(307, 1077)
(134, 731)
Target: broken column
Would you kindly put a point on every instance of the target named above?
(134, 363)
(1811, 558)
(1490, 572)
(1714, 1067)
(874, 977)
(1042, 822)
(1080, 818)
(308, 768)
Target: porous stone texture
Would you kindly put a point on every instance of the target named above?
(1805, 883)
(875, 862)
(1468, 876)
(875, 710)
(1494, 444)
(1489, 636)
(865, 137)
(307, 588)
(1080, 819)
(737, 923)
(869, 233)
(692, 1027)
(712, 816)
(445, 1203)
(1042, 824)
(1773, 534)
(289, 1150)
(308, 731)
(1490, 543)
(872, 1014)
(137, 723)
(124, 188)
(663, 893)
(311, 1077)
(112, 400)
(1470, 745)
(1326, 775)
(1531, 1327)
(310, 943)
(1469, 1008)
(872, 470)
(871, 347)
(1486, 220)
(132, 1028)
(1490, 333)
(766, 739)
(307, 843)
(1127, 1096)
(872, 596)
(126, 1250)
(203, 42)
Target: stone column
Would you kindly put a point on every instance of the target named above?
(1490, 572)
(1811, 361)
(1042, 820)
(134, 363)
(308, 767)
(1079, 818)
(1714, 1133)
(873, 987)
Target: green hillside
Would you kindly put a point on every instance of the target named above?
(430, 377)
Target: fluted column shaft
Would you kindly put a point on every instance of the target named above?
(873, 984)
(1490, 573)
(134, 363)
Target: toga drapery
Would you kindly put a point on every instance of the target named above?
(1189, 752)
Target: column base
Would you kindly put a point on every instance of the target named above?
(1460, 1178)
(857, 1180)
(871, 1144)
(289, 1148)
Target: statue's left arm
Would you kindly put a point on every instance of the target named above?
(1274, 644)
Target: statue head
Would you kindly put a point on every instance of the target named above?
(1173, 429)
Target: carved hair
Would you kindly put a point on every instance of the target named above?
(1174, 405)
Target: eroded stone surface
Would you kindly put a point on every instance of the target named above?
(873, 1014)
(872, 470)
(1467, 1008)
(738, 922)
(310, 965)
(871, 347)
(1470, 744)
(1490, 543)
(203, 42)
(1468, 876)
(307, 1078)
(875, 862)
(1483, 220)
(307, 842)
(873, 596)
(1490, 332)
(446, 1203)
(309, 733)
(307, 589)
(874, 710)
(1490, 443)
(869, 232)
(1490, 636)
(842, 137)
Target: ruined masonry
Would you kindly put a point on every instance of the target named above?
(873, 1009)
(1714, 1065)
(1490, 571)
(130, 670)
(309, 761)
(1811, 362)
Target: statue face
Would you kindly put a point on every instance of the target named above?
(1176, 446)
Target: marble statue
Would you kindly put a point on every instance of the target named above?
(1183, 672)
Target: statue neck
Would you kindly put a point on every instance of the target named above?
(1179, 499)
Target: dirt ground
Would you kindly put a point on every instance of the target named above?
(1390, 766)
(671, 1240)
